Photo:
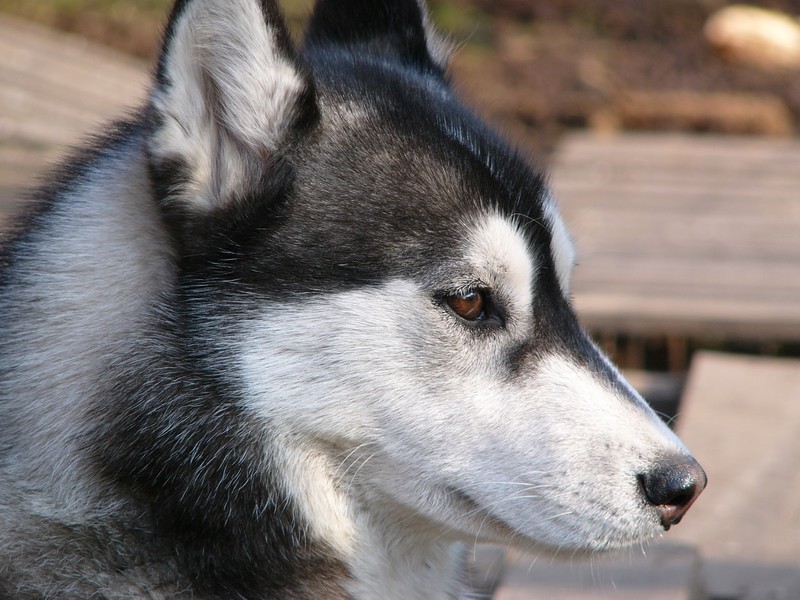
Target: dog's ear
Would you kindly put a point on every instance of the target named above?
(230, 93)
(387, 29)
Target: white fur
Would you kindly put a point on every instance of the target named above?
(231, 101)
(439, 47)
(499, 257)
(560, 245)
(420, 438)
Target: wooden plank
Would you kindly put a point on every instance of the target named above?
(681, 192)
(681, 234)
(598, 233)
(25, 94)
(716, 319)
(29, 44)
(662, 572)
(741, 418)
(47, 110)
(706, 278)
(679, 148)
(54, 89)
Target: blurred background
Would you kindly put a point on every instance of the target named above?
(669, 128)
(543, 66)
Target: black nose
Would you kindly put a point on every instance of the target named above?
(672, 486)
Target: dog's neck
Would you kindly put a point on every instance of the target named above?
(388, 554)
(392, 566)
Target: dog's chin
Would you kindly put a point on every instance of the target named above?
(481, 524)
(477, 522)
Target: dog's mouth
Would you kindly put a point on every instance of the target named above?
(488, 527)
(487, 521)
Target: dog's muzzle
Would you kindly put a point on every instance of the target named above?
(672, 487)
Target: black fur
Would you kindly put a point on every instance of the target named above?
(233, 531)
(375, 30)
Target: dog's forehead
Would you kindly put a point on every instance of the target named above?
(425, 154)
(407, 185)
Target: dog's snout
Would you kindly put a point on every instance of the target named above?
(672, 486)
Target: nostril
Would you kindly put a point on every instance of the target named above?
(672, 486)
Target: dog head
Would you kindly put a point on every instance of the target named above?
(391, 284)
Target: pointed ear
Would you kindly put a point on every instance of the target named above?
(230, 92)
(396, 29)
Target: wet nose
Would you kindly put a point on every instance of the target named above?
(672, 486)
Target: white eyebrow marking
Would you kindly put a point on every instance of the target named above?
(561, 247)
(502, 258)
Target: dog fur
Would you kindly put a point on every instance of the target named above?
(233, 362)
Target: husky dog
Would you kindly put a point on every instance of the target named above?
(300, 328)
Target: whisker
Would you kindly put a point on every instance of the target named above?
(361, 466)
(340, 477)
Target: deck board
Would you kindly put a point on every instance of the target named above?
(54, 90)
(741, 419)
(684, 235)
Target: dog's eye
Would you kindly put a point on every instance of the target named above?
(469, 305)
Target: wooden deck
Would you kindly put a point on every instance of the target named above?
(741, 418)
(684, 235)
(54, 90)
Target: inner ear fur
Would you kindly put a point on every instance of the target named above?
(229, 93)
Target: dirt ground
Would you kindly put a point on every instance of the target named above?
(547, 66)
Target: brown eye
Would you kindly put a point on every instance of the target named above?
(468, 305)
